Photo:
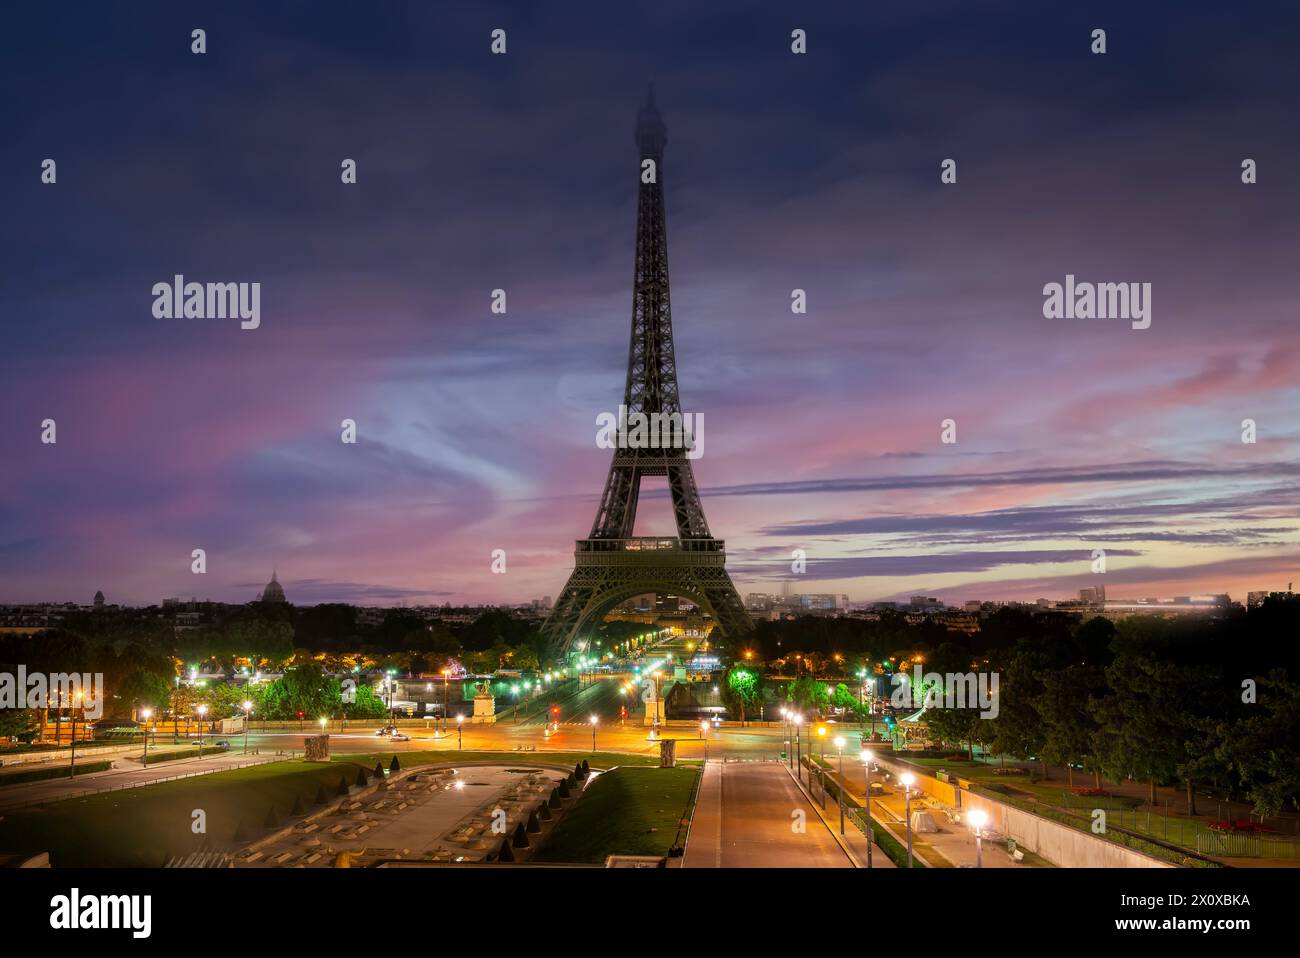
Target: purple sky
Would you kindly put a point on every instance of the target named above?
(477, 431)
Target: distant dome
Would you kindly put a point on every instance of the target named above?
(99, 600)
(274, 592)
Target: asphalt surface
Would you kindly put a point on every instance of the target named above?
(746, 816)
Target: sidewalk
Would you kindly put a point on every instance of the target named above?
(952, 846)
(133, 776)
(853, 841)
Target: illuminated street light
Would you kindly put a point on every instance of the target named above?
(593, 734)
(907, 778)
(866, 757)
(146, 714)
(978, 818)
(203, 711)
(795, 720)
(839, 747)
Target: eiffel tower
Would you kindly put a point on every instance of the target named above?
(612, 565)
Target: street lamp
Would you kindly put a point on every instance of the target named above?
(460, 720)
(907, 778)
(593, 734)
(203, 711)
(323, 722)
(978, 818)
(446, 698)
(795, 719)
(248, 710)
(866, 757)
(658, 676)
(146, 714)
(839, 747)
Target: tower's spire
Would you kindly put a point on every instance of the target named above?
(651, 134)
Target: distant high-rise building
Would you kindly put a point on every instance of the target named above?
(1093, 596)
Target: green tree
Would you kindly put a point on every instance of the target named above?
(1143, 723)
(1069, 728)
(807, 692)
(18, 724)
(1263, 747)
(143, 687)
(743, 690)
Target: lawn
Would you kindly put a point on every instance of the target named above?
(629, 811)
(146, 826)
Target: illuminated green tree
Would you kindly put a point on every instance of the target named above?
(743, 689)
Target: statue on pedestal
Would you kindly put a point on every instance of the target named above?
(485, 705)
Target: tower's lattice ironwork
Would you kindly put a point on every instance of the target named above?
(611, 564)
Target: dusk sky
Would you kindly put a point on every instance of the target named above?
(782, 171)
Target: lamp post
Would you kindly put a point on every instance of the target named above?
(821, 772)
(72, 765)
(145, 714)
(704, 735)
(659, 705)
(248, 711)
(798, 747)
(203, 711)
(460, 720)
(978, 817)
(323, 722)
(865, 755)
(593, 735)
(839, 747)
(446, 698)
(907, 778)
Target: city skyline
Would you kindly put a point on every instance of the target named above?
(476, 430)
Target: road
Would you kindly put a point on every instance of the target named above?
(745, 817)
(572, 735)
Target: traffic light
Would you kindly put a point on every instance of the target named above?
(555, 710)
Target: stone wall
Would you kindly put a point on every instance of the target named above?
(1060, 844)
